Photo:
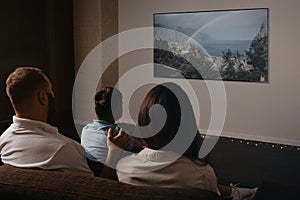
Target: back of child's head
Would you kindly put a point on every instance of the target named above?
(105, 98)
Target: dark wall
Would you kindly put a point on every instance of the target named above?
(37, 33)
(20, 45)
(253, 163)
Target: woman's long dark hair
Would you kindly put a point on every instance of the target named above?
(164, 95)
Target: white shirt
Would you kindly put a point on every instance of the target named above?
(166, 169)
(35, 144)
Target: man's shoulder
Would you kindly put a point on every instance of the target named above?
(70, 144)
(63, 140)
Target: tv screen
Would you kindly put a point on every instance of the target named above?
(230, 45)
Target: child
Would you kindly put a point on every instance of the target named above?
(94, 135)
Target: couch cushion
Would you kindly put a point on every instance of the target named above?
(16, 183)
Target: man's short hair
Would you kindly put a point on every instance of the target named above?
(22, 84)
(103, 98)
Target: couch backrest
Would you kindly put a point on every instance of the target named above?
(16, 183)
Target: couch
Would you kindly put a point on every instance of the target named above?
(35, 184)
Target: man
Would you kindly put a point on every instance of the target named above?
(30, 142)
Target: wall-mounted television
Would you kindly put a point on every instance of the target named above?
(230, 45)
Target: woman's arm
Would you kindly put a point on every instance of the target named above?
(115, 151)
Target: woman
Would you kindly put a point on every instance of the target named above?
(170, 157)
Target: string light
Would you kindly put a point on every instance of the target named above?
(260, 144)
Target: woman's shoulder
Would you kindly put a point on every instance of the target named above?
(192, 169)
(194, 172)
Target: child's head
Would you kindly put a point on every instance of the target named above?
(105, 98)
